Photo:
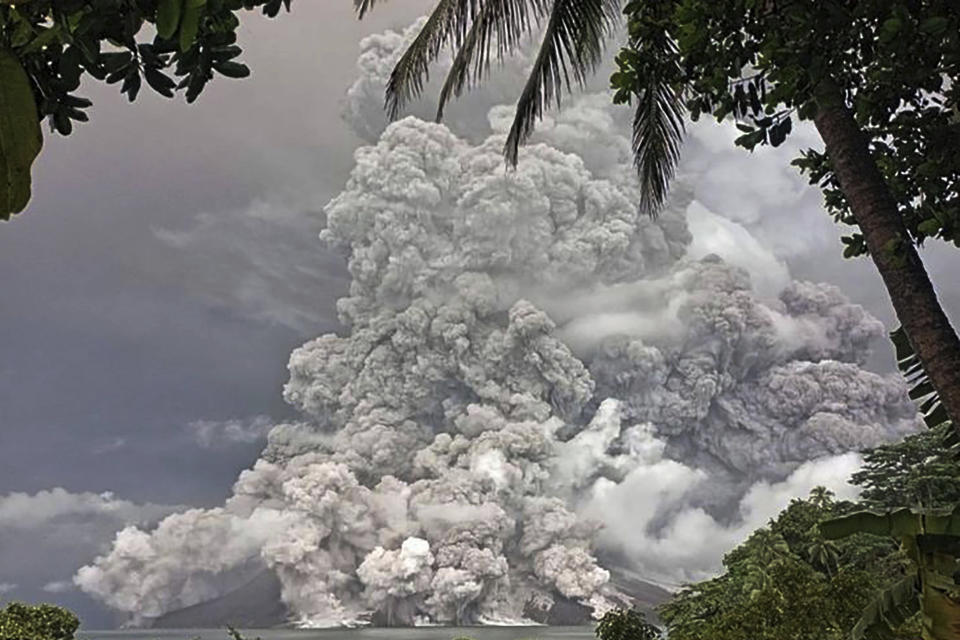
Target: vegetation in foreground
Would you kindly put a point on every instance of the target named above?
(20, 621)
(626, 624)
(789, 580)
(47, 47)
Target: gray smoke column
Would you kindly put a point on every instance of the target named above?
(532, 376)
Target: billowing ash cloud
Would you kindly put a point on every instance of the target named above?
(46, 536)
(535, 381)
(363, 108)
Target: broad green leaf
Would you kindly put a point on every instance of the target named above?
(943, 523)
(930, 227)
(899, 523)
(45, 38)
(232, 69)
(938, 580)
(890, 29)
(934, 25)
(891, 609)
(190, 24)
(20, 135)
(21, 32)
(168, 17)
(941, 615)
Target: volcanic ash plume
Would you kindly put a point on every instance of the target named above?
(533, 376)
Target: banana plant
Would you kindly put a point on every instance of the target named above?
(931, 540)
(20, 135)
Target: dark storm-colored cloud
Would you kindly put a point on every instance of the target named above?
(141, 288)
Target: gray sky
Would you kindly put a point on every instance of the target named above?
(169, 263)
(115, 339)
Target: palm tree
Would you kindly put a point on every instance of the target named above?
(574, 35)
(821, 497)
(772, 551)
(823, 554)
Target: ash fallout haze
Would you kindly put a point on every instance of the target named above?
(505, 390)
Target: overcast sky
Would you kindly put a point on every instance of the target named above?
(168, 264)
(116, 341)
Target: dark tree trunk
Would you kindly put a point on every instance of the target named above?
(911, 292)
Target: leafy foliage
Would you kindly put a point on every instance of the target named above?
(916, 472)
(56, 43)
(775, 581)
(795, 565)
(656, 84)
(931, 541)
(626, 624)
(19, 621)
(895, 606)
(767, 63)
(922, 472)
(20, 136)
(788, 581)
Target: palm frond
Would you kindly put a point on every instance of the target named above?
(572, 45)
(448, 22)
(502, 21)
(921, 389)
(922, 392)
(657, 126)
(363, 6)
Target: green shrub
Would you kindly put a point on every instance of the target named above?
(626, 624)
(19, 621)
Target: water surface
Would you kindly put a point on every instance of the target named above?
(417, 633)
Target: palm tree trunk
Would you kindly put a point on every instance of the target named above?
(911, 292)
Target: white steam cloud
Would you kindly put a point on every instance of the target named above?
(536, 383)
(46, 536)
(214, 433)
(58, 586)
(49, 509)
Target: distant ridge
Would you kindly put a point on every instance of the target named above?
(644, 595)
(256, 604)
